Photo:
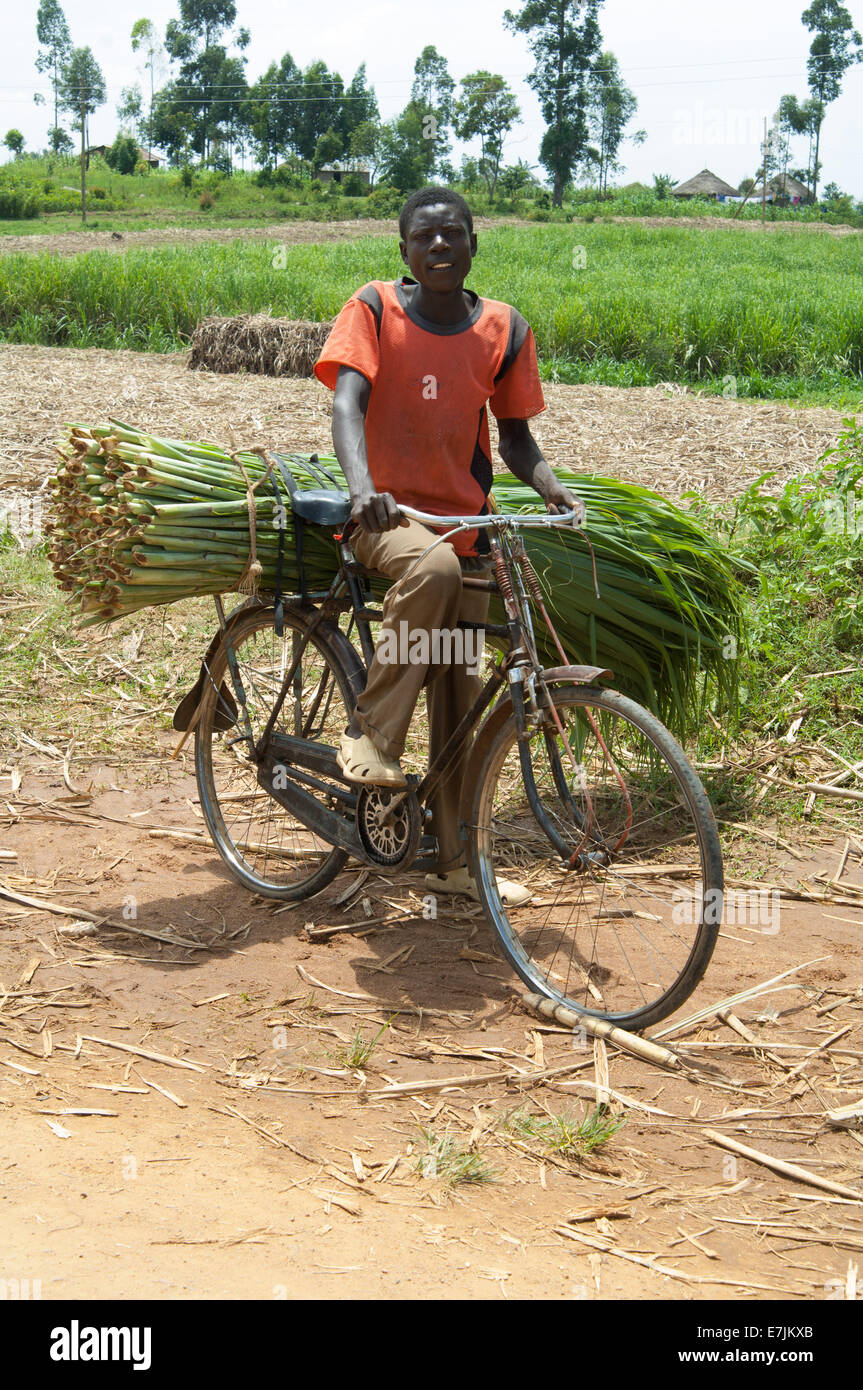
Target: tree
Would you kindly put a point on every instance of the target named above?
(407, 153)
(432, 99)
(200, 26)
(784, 127)
(270, 111)
(365, 147)
(123, 155)
(831, 193)
(469, 175)
(59, 142)
(211, 87)
(83, 88)
(55, 47)
(83, 91)
(612, 107)
(172, 123)
(836, 47)
(230, 92)
(432, 84)
(327, 150)
(803, 118)
(130, 112)
(146, 41)
(14, 142)
(359, 105)
(517, 178)
(486, 108)
(318, 109)
(565, 40)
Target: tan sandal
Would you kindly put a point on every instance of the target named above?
(362, 762)
(460, 881)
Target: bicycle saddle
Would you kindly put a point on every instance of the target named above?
(321, 506)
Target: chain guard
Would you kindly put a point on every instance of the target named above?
(394, 841)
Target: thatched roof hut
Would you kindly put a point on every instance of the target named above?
(784, 188)
(705, 185)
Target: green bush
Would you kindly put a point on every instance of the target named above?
(385, 201)
(353, 187)
(285, 177)
(207, 200)
(123, 155)
(17, 204)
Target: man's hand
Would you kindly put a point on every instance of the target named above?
(559, 499)
(376, 512)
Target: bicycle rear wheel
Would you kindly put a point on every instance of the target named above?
(627, 932)
(263, 844)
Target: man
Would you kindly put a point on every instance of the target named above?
(413, 365)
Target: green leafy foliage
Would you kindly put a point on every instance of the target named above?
(804, 610)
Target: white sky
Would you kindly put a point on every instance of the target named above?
(705, 75)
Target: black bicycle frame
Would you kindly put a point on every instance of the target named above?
(296, 761)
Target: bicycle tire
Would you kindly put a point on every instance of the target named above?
(502, 828)
(267, 850)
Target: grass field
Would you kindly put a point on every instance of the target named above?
(620, 304)
(171, 197)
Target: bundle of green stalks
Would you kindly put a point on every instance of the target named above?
(669, 618)
(143, 521)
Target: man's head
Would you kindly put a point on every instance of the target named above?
(434, 195)
(437, 238)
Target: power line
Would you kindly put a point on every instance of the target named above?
(520, 76)
(330, 92)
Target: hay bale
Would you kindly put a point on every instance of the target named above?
(258, 343)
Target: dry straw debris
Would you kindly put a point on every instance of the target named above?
(258, 343)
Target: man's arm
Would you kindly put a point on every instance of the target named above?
(374, 511)
(522, 456)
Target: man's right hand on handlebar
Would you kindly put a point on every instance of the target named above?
(376, 512)
(559, 499)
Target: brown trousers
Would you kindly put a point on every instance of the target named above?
(432, 597)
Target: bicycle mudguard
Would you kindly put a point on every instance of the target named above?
(184, 714)
(578, 675)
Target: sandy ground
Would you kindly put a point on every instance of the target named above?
(240, 1157)
(244, 1157)
(662, 436)
(288, 231)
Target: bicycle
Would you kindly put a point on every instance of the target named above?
(572, 787)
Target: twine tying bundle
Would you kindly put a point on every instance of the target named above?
(250, 580)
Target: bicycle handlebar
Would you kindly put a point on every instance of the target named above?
(489, 519)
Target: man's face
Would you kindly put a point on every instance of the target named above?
(439, 248)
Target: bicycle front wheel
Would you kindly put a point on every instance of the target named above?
(625, 908)
(266, 848)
